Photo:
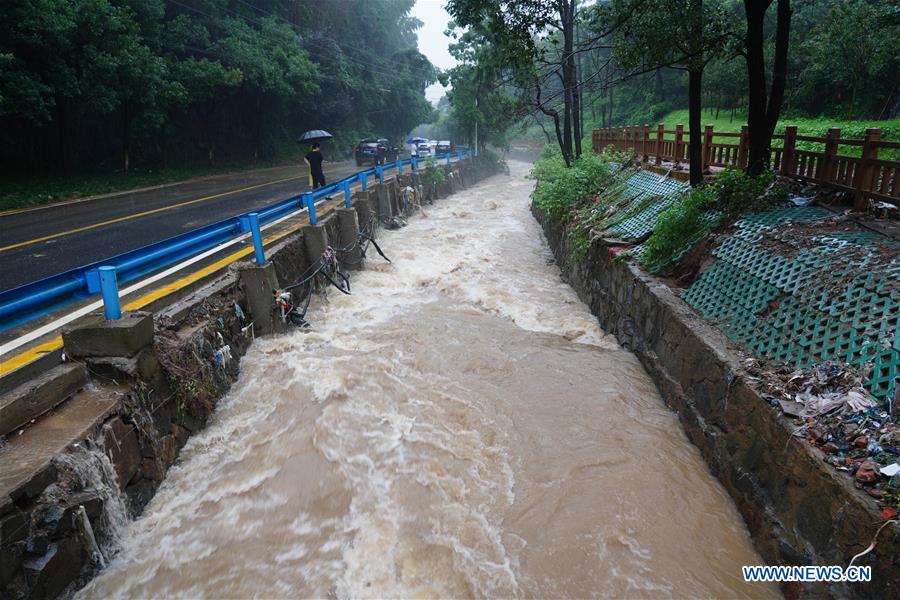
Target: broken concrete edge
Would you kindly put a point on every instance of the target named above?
(172, 385)
(799, 511)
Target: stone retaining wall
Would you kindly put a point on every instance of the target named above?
(799, 510)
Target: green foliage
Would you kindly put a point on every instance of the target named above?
(89, 83)
(560, 189)
(735, 193)
(680, 225)
(692, 216)
(434, 174)
(808, 126)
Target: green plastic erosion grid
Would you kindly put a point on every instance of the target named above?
(657, 192)
(792, 285)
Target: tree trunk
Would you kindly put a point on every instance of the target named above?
(763, 111)
(695, 95)
(695, 109)
(568, 75)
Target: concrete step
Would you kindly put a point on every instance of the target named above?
(35, 397)
(26, 459)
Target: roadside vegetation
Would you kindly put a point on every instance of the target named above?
(590, 197)
(110, 88)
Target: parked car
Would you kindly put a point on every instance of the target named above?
(424, 149)
(443, 147)
(376, 151)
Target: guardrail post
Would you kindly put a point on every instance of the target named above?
(414, 163)
(399, 167)
(347, 200)
(110, 290)
(253, 222)
(448, 158)
(310, 206)
(379, 172)
(362, 179)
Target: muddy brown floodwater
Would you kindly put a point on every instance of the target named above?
(460, 426)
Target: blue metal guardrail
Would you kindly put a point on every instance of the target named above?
(26, 302)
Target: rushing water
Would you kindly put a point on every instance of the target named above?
(460, 426)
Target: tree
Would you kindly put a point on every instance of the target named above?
(764, 105)
(685, 34)
(856, 40)
(517, 28)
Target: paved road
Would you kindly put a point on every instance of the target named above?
(45, 241)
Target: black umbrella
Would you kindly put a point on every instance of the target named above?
(315, 135)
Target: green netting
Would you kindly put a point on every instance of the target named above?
(803, 296)
(645, 185)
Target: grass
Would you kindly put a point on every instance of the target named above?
(890, 128)
(816, 127)
(21, 191)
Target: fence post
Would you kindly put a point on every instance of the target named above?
(645, 135)
(707, 147)
(110, 290)
(679, 142)
(743, 148)
(362, 179)
(824, 170)
(788, 154)
(253, 224)
(862, 178)
(310, 206)
(660, 135)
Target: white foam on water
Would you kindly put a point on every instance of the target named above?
(458, 427)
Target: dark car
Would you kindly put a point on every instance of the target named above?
(443, 147)
(376, 151)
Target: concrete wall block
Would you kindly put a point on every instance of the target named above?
(258, 283)
(33, 398)
(384, 207)
(122, 337)
(348, 238)
(121, 446)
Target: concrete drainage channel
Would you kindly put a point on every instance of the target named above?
(798, 509)
(88, 442)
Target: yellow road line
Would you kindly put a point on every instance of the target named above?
(142, 214)
(32, 354)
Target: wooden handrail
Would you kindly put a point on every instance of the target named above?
(866, 177)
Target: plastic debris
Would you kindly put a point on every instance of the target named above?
(890, 470)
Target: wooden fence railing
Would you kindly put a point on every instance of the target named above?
(865, 176)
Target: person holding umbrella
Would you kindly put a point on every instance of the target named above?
(314, 158)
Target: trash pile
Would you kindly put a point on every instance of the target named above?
(834, 412)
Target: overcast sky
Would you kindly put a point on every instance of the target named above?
(432, 41)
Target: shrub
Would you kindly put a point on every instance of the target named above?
(678, 226)
(560, 189)
(433, 175)
(736, 193)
